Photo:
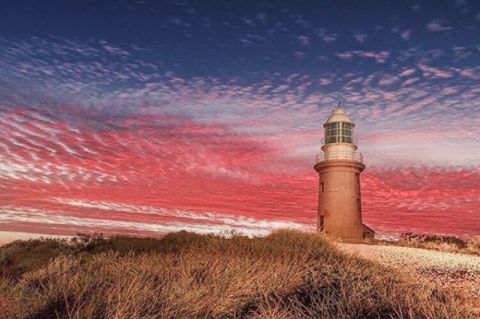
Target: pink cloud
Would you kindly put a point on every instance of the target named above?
(388, 80)
(424, 195)
(407, 72)
(432, 72)
(149, 174)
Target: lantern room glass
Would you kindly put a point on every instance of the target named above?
(339, 132)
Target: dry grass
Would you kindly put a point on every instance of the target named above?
(441, 243)
(286, 275)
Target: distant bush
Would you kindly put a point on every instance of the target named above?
(441, 243)
(183, 275)
(474, 245)
(19, 257)
(426, 238)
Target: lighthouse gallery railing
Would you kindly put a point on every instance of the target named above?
(339, 155)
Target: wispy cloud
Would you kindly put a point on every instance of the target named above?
(406, 35)
(438, 25)
(377, 56)
(360, 37)
(303, 39)
(55, 219)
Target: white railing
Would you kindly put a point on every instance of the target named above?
(340, 155)
(354, 141)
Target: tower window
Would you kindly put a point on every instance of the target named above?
(339, 133)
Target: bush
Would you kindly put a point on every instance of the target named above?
(474, 245)
(19, 257)
(435, 239)
(436, 242)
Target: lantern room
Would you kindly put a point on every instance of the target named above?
(338, 142)
(339, 128)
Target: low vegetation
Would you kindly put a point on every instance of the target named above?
(183, 275)
(441, 243)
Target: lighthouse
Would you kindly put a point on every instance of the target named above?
(339, 166)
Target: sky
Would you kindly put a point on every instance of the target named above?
(145, 117)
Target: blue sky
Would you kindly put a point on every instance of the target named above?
(248, 38)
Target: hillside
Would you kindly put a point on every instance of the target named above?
(183, 275)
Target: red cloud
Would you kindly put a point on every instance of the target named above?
(133, 171)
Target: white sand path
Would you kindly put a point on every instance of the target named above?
(9, 236)
(450, 270)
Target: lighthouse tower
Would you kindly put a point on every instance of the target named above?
(339, 166)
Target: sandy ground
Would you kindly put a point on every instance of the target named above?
(8, 236)
(447, 269)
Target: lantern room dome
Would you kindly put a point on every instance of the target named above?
(339, 115)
